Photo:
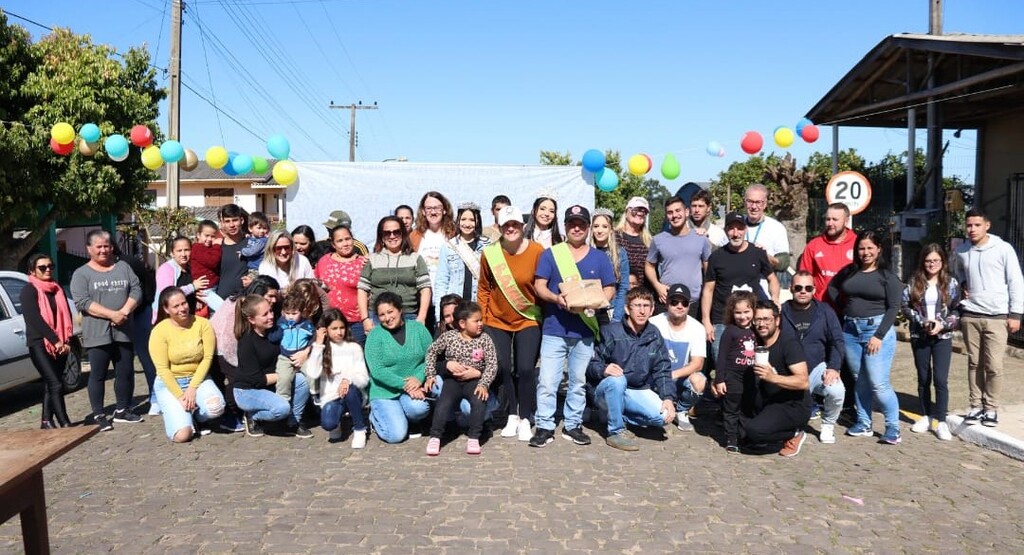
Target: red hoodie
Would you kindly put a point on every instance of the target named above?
(824, 258)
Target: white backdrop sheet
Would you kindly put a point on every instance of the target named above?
(369, 191)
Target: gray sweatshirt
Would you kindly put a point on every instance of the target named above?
(991, 275)
(110, 290)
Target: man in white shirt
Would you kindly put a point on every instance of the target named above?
(767, 233)
(686, 341)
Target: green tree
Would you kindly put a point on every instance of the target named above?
(820, 164)
(727, 189)
(65, 77)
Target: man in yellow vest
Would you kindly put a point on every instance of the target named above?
(567, 336)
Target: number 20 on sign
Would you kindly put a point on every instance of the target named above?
(849, 188)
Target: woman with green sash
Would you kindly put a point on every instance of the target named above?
(512, 318)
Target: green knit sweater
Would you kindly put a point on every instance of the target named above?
(390, 363)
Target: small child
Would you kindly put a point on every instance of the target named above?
(734, 376)
(468, 346)
(256, 242)
(337, 367)
(296, 335)
(206, 253)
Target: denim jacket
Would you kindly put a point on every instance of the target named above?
(619, 301)
(949, 314)
(451, 272)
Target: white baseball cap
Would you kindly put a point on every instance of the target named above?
(509, 214)
(638, 202)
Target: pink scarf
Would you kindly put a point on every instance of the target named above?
(60, 322)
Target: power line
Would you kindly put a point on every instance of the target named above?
(23, 18)
(217, 108)
(209, 77)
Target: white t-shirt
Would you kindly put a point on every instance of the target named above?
(931, 300)
(430, 250)
(691, 341)
(770, 234)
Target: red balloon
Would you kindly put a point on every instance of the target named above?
(752, 142)
(141, 136)
(809, 133)
(650, 163)
(63, 150)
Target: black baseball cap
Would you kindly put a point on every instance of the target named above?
(577, 212)
(735, 218)
(678, 290)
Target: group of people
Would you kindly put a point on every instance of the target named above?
(443, 321)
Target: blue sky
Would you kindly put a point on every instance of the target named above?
(489, 82)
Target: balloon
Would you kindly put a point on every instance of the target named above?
(151, 157)
(63, 134)
(229, 168)
(141, 136)
(593, 160)
(117, 147)
(804, 122)
(721, 152)
(713, 148)
(171, 151)
(670, 166)
(752, 142)
(90, 132)
(285, 172)
(63, 150)
(190, 161)
(607, 180)
(216, 157)
(638, 165)
(784, 137)
(85, 148)
(278, 147)
(242, 164)
(650, 163)
(260, 164)
(810, 133)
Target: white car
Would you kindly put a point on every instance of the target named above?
(15, 366)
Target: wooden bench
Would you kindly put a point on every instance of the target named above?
(23, 454)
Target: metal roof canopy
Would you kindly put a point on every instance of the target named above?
(977, 77)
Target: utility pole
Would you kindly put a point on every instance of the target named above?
(352, 125)
(174, 102)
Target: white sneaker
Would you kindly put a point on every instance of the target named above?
(358, 439)
(335, 434)
(683, 422)
(943, 432)
(512, 427)
(922, 425)
(525, 431)
(828, 433)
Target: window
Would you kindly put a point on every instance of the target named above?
(13, 287)
(219, 196)
(150, 195)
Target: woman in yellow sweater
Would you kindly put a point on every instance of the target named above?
(182, 347)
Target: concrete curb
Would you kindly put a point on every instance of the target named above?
(986, 437)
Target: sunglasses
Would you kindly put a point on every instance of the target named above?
(681, 302)
(802, 288)
(44, 267)
(283, 248)
(391, 232)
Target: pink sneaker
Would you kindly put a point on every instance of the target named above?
(434, 446)
(473, 447)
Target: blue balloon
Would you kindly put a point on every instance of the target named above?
(172, 151)
(593, 160)
(116, 146)
(607, 180)
(278, 147)
(90, 132)
(229, 168)
(242, 164)
(801, 124)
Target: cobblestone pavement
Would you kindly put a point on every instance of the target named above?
(130, 491)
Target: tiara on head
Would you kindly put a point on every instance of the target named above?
(548, 193)
(604, 212)
(468, 206)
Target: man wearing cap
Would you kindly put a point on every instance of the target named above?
(738, 266)
(766, 232)
(686, 341)
(567, 337)
(678, 255)
(633, 373)
(339, 217)
(632, 235)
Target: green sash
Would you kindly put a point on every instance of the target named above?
(507, 283)
(568, 270)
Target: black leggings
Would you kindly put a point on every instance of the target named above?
(100, 357)
(739, 398)
(932, 357)
(452, 392)
(51, 369)
(517, 394)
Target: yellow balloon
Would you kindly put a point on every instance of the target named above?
(63, 133)
(151, 157)
(216, 157)
(638, 165)
(784, 137)
(285, 172)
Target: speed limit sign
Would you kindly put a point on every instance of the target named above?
(849, 188)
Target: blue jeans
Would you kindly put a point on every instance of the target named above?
(358, 333)
(639, 407)
(352, 403)
(391, 417)
(834, 394)
(686, 395)
(554, 352)
(263, 404)
(142, 326)
(871, 372)
(719, 330)
(209, 405)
